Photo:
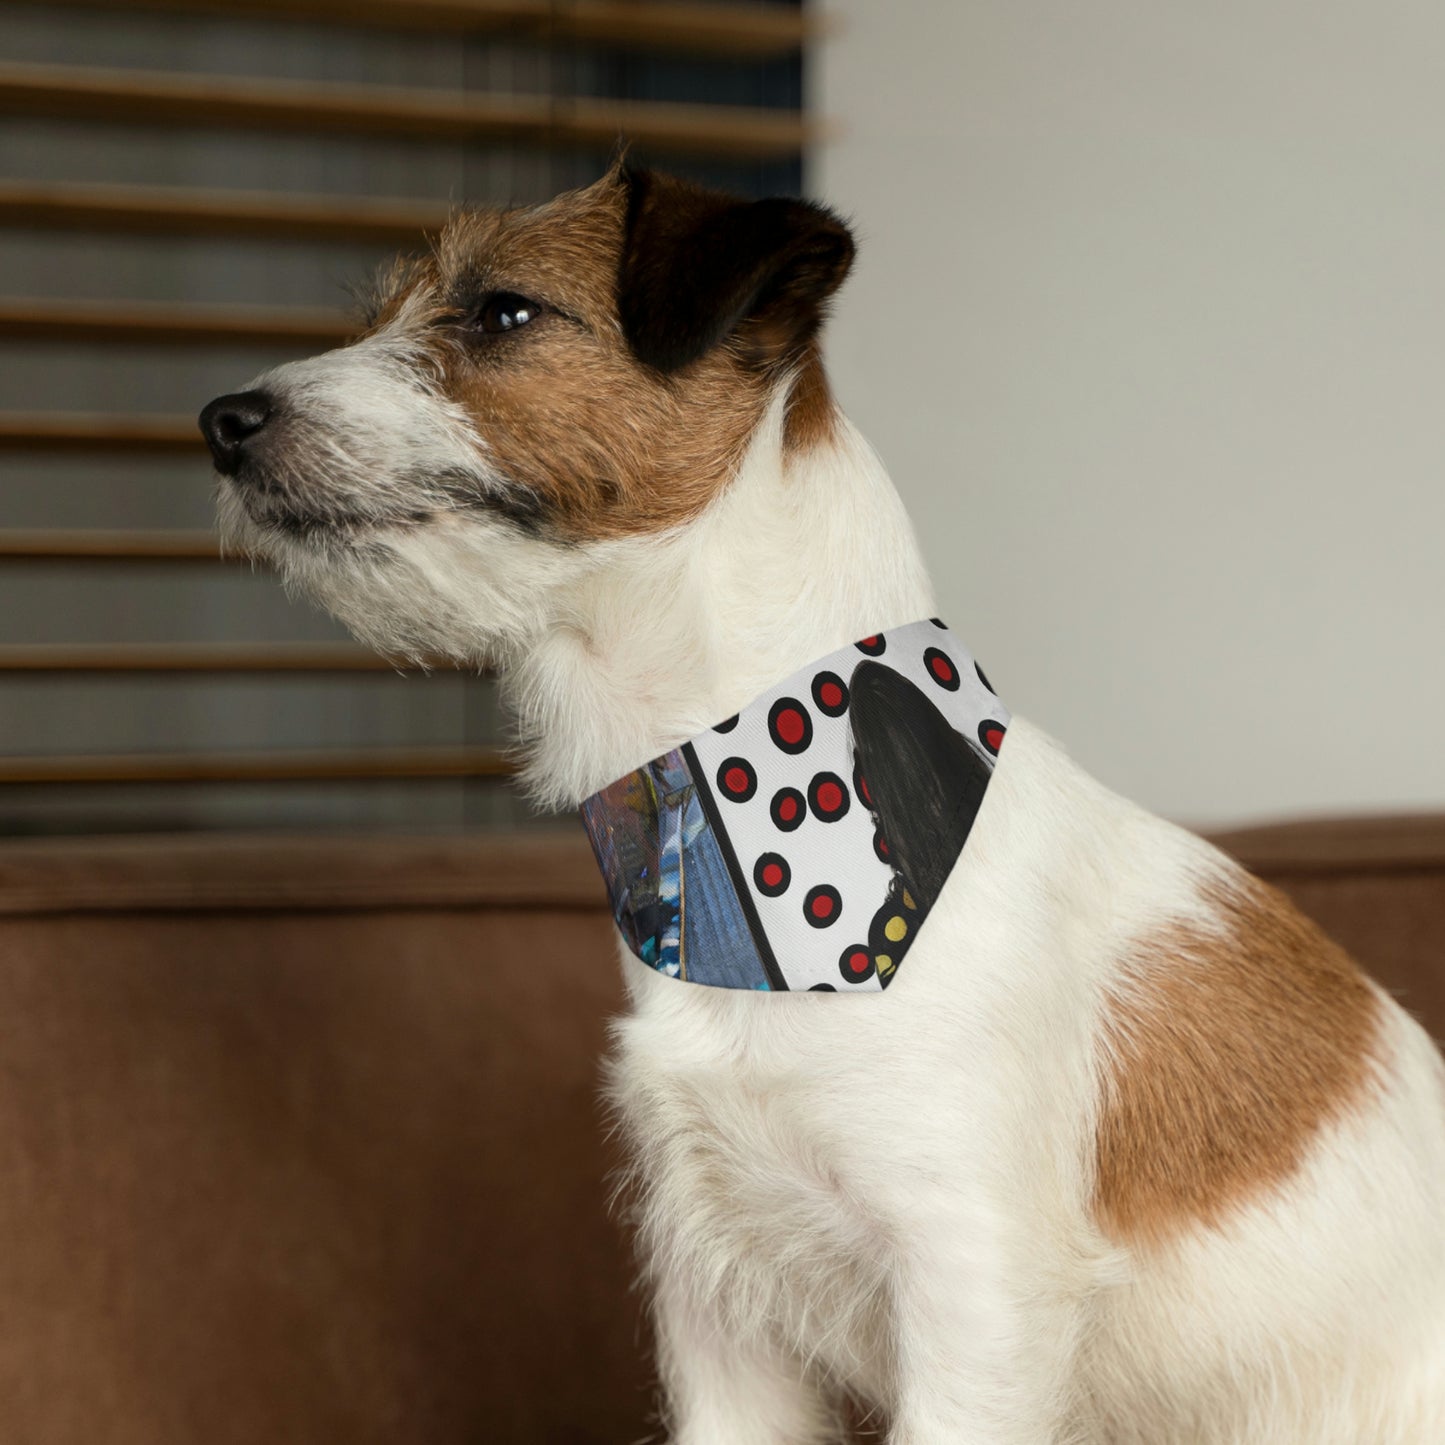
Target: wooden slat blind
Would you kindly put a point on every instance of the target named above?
(321, 107)
(260, 767)
(74, 545)
(71, 659)
(169, 210)
(235, 109)
(173, 323)
(749, 31)
(93, 431)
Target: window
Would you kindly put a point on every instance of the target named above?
(188, 192)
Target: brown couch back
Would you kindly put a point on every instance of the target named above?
(300, 1141)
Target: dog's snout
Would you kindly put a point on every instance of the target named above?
(229, 422)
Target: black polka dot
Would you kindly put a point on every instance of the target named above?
(983, 679)
(941, 669)
(771, 875)
(822, 905)
(991, 734)
(874, 646)
(728, 725)
(736, 779)
(788, 808)
(939, 622)
(822, 988)
(855, 963)
(880, 847)
(830, 693)
(828, 797)
(789, 725)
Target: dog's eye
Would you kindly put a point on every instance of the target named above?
(505, 311)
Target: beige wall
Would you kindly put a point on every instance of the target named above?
(1149, 324)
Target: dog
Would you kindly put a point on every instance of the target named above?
(1128, 1153)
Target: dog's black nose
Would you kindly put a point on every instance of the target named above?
(229, 422)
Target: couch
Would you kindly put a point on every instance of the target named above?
(300, 1140)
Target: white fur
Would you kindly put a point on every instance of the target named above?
(891, 1195)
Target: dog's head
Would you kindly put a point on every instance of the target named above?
(546, 382)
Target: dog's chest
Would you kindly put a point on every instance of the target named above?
(748, 1183)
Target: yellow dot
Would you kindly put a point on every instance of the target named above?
(908, 900)
(885, 964)
(894, 929)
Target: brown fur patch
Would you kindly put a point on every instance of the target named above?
(1228, 1052)
(596, 443)
(812, 413)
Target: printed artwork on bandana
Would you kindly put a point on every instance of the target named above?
(672, 892)
(800, 844)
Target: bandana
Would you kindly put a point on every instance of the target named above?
(801, 843)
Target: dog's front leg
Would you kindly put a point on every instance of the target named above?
(722, 1387)
(985, 1344)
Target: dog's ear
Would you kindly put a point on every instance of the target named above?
(699, 267)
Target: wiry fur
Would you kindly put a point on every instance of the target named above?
(898, 1197)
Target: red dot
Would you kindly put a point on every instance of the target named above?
(882, 845)
(858, 961)
(871, 641)
(772, 875)
(863, 789)
(788, 809)
(790, 726)
(831, 694)
(736, 780)
(941, 668)
(830, 797)
(822, 906)
(995, 738)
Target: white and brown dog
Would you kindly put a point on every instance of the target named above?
(1131, 1153)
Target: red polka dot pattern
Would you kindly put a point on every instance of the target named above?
(856, 963)
(737, 780)
(790, 726)
(828, 797)
(788, 809)
(822, 905)
(830, 693)
(941, 669)
(772, 875)
(804, 829)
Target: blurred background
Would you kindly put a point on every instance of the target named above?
(301, 1006)
(190, 194)
(1146, 324)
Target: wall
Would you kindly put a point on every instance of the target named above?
(1149, 324)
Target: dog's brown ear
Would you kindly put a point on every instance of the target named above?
(699, 267)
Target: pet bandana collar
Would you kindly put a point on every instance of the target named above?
(800, 844)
